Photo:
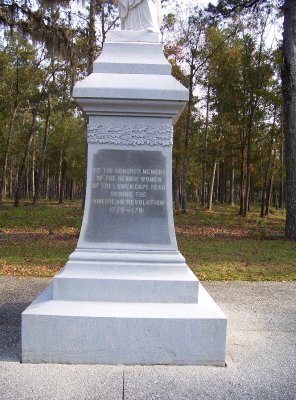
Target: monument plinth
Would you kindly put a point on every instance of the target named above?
(126, 295)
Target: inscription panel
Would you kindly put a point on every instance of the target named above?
(128, 198)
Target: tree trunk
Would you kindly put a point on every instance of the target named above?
(242, 181)
(216, 198)
(103, 23)
(289, 107)
(9, 134)
(10, 187)
(6, 153)
(43, 156)
(222, 182)
(22, 167)
(62, 185)
(46, 194)
(27, 184)
(176, 184)
(248, 174)
(210, 199)
(33, 165)
(269, 193)
(205, 151)
(232, 178)
(282, 181)
(186, 142)
(247, 138)
(264, 190)
(71, 189)
(91, 36)
(60, 172)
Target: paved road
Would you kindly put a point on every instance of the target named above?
(261, 354)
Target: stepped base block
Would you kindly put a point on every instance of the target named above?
(84, 332)
(126, 283)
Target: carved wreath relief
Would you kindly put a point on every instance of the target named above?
(131, 135)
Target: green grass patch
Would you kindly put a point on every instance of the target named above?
(25, 256)
(218, 245)
(228, 217)
(47, 216)
(247, 259)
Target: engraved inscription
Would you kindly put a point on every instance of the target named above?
(128, 202)
(129, 190)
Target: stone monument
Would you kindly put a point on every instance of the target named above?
(126, 295)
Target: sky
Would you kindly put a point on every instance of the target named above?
(274, 31)
(200, 3)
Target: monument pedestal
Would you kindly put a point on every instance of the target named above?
(126, 295)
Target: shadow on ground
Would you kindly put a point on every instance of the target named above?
(10, 331)
(16, 295)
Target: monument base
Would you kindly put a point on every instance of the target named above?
(85, 332)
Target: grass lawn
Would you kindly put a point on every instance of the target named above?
(218, 245)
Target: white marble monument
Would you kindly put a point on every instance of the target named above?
(126, 295)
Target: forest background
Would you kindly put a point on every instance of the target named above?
(229, 144)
